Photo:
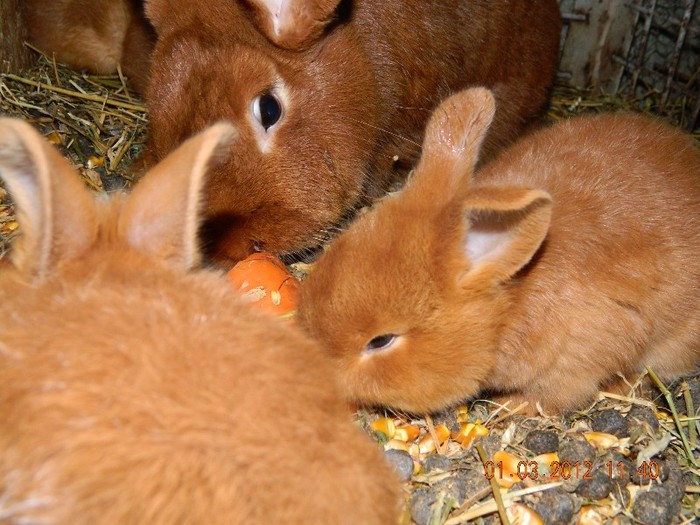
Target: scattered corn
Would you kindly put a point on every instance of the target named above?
(597, 514)
(54, 138)
(468, 432)
(462, 414)
(384, 425)
(544, 462)
(397, 444)
(428, 445)
(506, 468)
(10, 226)
(590, 516)
(603, 441)
(523, 515)
(95, 162)
(407, 432)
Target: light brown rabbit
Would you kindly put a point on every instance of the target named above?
(331, 98)
(135, 391)
(569, 258)
(95, 35)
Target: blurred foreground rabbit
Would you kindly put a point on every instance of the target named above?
(570, 258)
(133, 390)
(331, 98)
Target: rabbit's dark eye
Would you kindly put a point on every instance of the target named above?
(381, 342)
(267, 109)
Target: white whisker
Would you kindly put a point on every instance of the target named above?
(405, 139)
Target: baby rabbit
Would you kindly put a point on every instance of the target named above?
(95, 35)
(135, 391)
(569, 258)
(331, 98)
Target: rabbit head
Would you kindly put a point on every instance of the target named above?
(61, 221)
(294, 174)
(408, 300)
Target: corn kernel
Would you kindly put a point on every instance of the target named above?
(396, 444)
(462, 414)
(468, 432)
(54, 138)
(428, 445)
(506, 468)
(595, 515)
(95, 162)
(384, 425)
(407, 432)
(523, 515)
(601, 440)
(544, 462)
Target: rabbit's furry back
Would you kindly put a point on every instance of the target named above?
(567, 260)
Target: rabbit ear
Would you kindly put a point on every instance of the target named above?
(161, 216)
(156, 11)
(506, 227)
(293, 24)
(54, 209)
(451, 146)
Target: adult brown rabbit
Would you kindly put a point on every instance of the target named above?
(133, 390)
(95, 35)
(569, 258)
(331, 98)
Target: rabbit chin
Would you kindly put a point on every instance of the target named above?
(415, 402)
(423, 395)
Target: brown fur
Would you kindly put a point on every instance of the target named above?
(571, 257)
(95, 35)
(135, 391)
(358, 80)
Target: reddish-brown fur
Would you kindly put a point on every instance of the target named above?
(358, 81)
(569, 258)
(135, 391)
(95, 35)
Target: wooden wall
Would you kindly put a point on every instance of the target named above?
(13, 54)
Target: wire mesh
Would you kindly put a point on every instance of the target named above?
(664, 58)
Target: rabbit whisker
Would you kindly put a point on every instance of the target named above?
(383, 130)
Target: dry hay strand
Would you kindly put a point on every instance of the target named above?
(568, 101)
(96, 122)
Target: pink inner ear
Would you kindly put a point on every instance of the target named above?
(485, 245)
(275, 8)
(293, 24)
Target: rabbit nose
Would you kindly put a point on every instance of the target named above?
(226, 240)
